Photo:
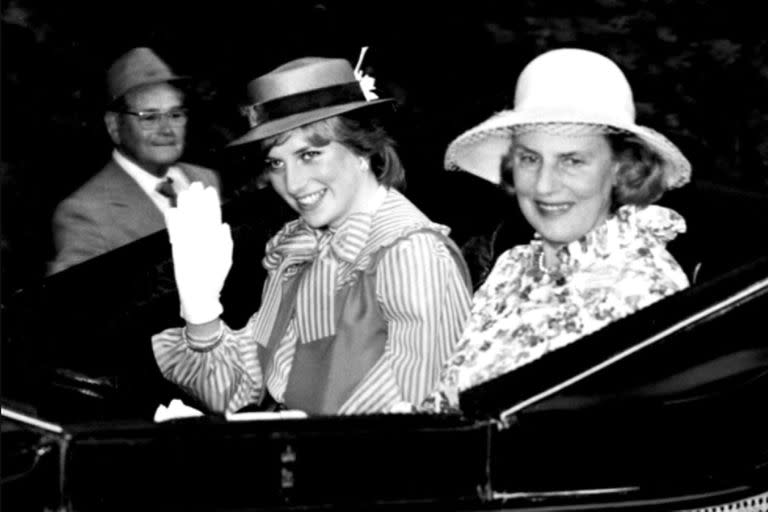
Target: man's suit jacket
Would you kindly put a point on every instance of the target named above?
(109, 211)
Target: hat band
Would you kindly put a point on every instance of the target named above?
(304, 102)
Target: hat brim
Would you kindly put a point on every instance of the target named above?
(479, 150)
(284, 124)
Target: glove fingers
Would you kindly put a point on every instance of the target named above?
(211, 206)
(190, 195)
(197, 214)
(202, 251)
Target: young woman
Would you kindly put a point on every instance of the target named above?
(365, 297)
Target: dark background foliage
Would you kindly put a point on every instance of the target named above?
(698, 69)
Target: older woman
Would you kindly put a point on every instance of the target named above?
(585, 176)
(365, 297)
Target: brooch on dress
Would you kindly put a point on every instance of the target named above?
(556, 276)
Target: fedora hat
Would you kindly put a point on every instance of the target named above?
(303, 91)
(137, 67)
(569, 89)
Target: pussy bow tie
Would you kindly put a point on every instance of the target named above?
(297, 244)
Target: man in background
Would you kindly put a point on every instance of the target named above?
(146, 121)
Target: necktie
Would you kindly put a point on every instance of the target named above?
(166, 189)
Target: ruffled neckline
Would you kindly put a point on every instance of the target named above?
(629, 227)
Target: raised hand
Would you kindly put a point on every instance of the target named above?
(202, 252)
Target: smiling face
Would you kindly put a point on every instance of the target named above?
(563, 183)
(155, 148)
(324, 182)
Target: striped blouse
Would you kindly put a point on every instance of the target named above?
(421, 292)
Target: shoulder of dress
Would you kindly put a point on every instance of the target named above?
(395, 223)
(398, 219)
(516, 253)
(656, 224)
(515, 259)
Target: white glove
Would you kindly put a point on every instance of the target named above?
(202, 252)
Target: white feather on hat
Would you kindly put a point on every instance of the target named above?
(303, 91)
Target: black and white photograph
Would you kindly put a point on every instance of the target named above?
(312, 255)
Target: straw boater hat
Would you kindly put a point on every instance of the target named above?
(136, 68)
(567, 91)
(303, 91)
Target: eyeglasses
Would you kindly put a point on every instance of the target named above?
(151, 119)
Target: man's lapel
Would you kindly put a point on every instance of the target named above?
(133, 208)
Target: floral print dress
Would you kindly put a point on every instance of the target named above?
(523, 311)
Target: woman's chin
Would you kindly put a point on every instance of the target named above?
(559, 238)
(315, 219)
(314, 222)
(563, 230)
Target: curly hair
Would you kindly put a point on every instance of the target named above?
(640, 178)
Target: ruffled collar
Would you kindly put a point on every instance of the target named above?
(630, 227)
(299, 242)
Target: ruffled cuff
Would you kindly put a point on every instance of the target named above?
(203, 345)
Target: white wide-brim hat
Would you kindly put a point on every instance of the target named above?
(567, 86)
